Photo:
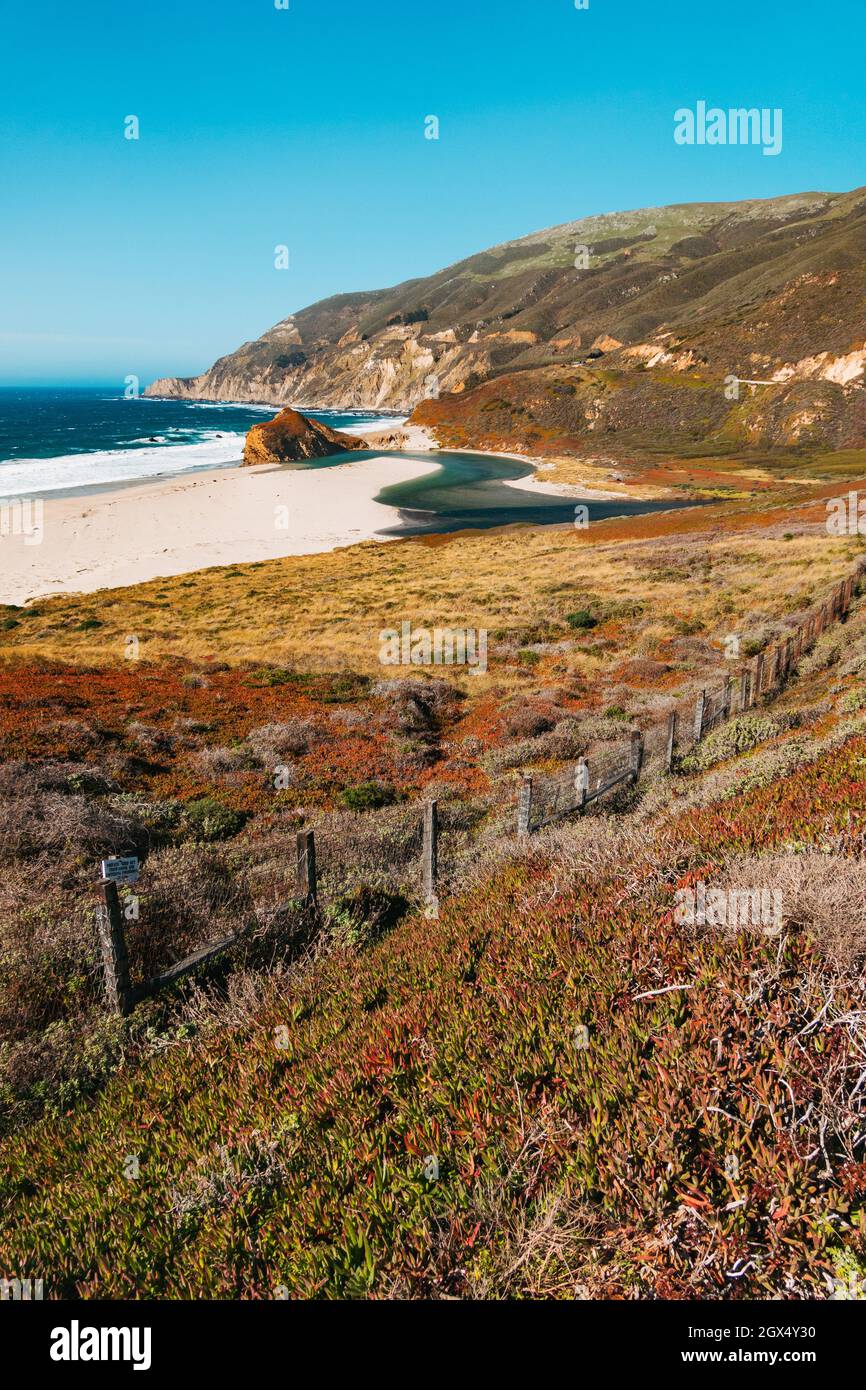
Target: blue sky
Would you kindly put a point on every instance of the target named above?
(305, 127)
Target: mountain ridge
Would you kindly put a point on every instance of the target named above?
(747, 288)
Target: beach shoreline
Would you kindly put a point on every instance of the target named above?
(191, 521)
(135, 531)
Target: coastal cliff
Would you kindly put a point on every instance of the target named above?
(622, 331)
(291, 436)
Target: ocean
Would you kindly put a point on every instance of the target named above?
(57, 440)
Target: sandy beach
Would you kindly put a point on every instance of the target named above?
(108, 539)
(128, 534)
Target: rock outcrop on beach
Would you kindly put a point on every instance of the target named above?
(652, 303)
(291, 436)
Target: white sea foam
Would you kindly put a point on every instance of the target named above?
(382, 422)
(106, 467)
(28, 477)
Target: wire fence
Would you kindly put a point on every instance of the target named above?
(661, 747)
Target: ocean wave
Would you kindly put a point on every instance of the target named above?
(29, 477)
(210, 405)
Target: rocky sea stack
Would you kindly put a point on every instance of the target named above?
(291, 436)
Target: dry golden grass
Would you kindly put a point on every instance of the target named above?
(649, 578)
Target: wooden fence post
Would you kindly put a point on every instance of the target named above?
(699, 716)
(789, 655)
(745, 690)
(774, 668)
(798, 645)
(524, 807)
(115, 961)
(581, 782)
(726, 696)
(671, 741)
(307, 887)
(431, 857)
(759, 677)
(636, 754)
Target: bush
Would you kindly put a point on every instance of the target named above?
(368, 796)
(210, 819)
(361, 917)
(525, 722)
(581, 619)
(272, 742)
(738, 736)
(217, 762)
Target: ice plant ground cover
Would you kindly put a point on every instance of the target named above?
(555, 1088)
(705, 1140)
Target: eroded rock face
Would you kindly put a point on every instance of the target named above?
(291, 436)
(664, 299)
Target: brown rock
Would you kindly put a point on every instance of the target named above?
(291, 436)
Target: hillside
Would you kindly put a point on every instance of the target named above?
(702, 1137)
(671, 302)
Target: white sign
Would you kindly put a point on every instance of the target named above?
(120, 870)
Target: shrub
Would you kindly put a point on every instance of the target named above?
(736, 737)
(853, 702)
(523, 721)
(214, 762)
(210, 819)
(148, 738)
(368, 796)
(274, 676)
(362, 916)
(581, 619)
(271, 742)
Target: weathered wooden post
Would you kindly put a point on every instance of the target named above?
(745, 690)
(759, 677)
(789, 655)
(431, 858)
(307, 887)
(581, 782)
(636, 754)
(847, 588)
(115, 961)
(774, 668)
(524, 807)
(798, 645)
(671, 741)
(726, 696)
(699, 716)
